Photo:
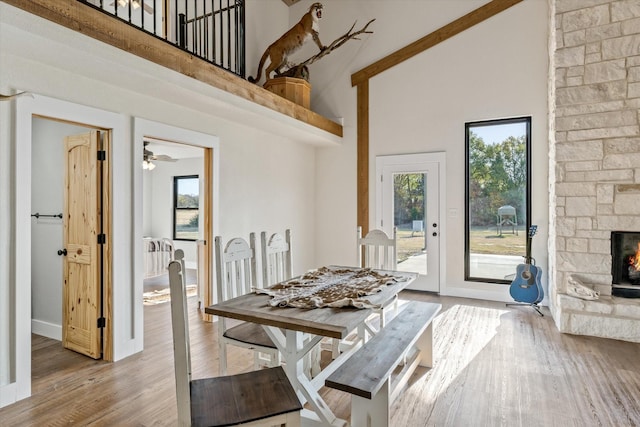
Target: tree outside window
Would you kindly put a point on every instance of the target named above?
(186, 207)
(498, 182)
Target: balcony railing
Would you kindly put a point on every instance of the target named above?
(209, 29)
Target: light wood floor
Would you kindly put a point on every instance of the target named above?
(494, 366)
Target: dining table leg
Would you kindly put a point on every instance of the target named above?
(294, 346)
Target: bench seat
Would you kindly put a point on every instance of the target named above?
(366, 375)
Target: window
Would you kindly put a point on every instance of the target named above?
(498, 198)
(186, 207)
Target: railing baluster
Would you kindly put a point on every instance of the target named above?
(213, 33)
(241, 33)
(154, 17)
(182, 31)
(235, 39)
(221, 60)
(178, 28)
(228, 36)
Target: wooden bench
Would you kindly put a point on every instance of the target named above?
(367, 374)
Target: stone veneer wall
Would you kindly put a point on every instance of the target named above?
(595, 158)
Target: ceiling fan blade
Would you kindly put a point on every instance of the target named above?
(164, 158)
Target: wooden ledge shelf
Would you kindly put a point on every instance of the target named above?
(100, 26)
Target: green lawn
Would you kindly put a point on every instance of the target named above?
(408, 245)
(483, 240)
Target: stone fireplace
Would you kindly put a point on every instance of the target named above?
(594, 164)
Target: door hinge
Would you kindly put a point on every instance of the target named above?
(102, 155)
(102, 239)
(101, 322)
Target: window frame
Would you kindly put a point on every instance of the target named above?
(175, 209)
(467, 252)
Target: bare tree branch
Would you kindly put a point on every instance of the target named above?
(301, 71)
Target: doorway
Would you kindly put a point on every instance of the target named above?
(70, 235)
(173, 206)
(409, 197)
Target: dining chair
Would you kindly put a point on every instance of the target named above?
(235, 276)
(276, 257)
(258, 398)
(379, 251)
(277, 267)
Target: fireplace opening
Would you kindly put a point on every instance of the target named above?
(625, 263)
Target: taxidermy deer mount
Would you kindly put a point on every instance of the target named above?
(291, 41)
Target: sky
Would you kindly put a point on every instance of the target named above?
(189, 186)
(498, 133)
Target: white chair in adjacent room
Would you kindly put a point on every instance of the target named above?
(268, 398)
(236, 276)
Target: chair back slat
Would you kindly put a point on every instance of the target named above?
(377, 249)
(276, 257)
(181, 351)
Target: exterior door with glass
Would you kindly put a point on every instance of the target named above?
(408, 197)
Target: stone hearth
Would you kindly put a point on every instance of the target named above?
(607, 317)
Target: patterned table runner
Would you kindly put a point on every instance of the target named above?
(330, 287)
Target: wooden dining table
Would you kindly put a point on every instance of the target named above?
(297, 331)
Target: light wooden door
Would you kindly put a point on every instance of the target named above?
(82, 293)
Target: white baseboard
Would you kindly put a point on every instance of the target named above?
(46, 329)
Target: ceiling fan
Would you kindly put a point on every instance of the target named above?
(148, 156)
(135, 4)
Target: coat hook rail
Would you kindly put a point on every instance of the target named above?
(38, 215)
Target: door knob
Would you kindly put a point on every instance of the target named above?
(62, 252)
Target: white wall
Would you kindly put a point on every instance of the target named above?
(497, 69)
(47, 197)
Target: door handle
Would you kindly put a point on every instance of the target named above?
(62, 252)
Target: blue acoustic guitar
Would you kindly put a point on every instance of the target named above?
(526, 286)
